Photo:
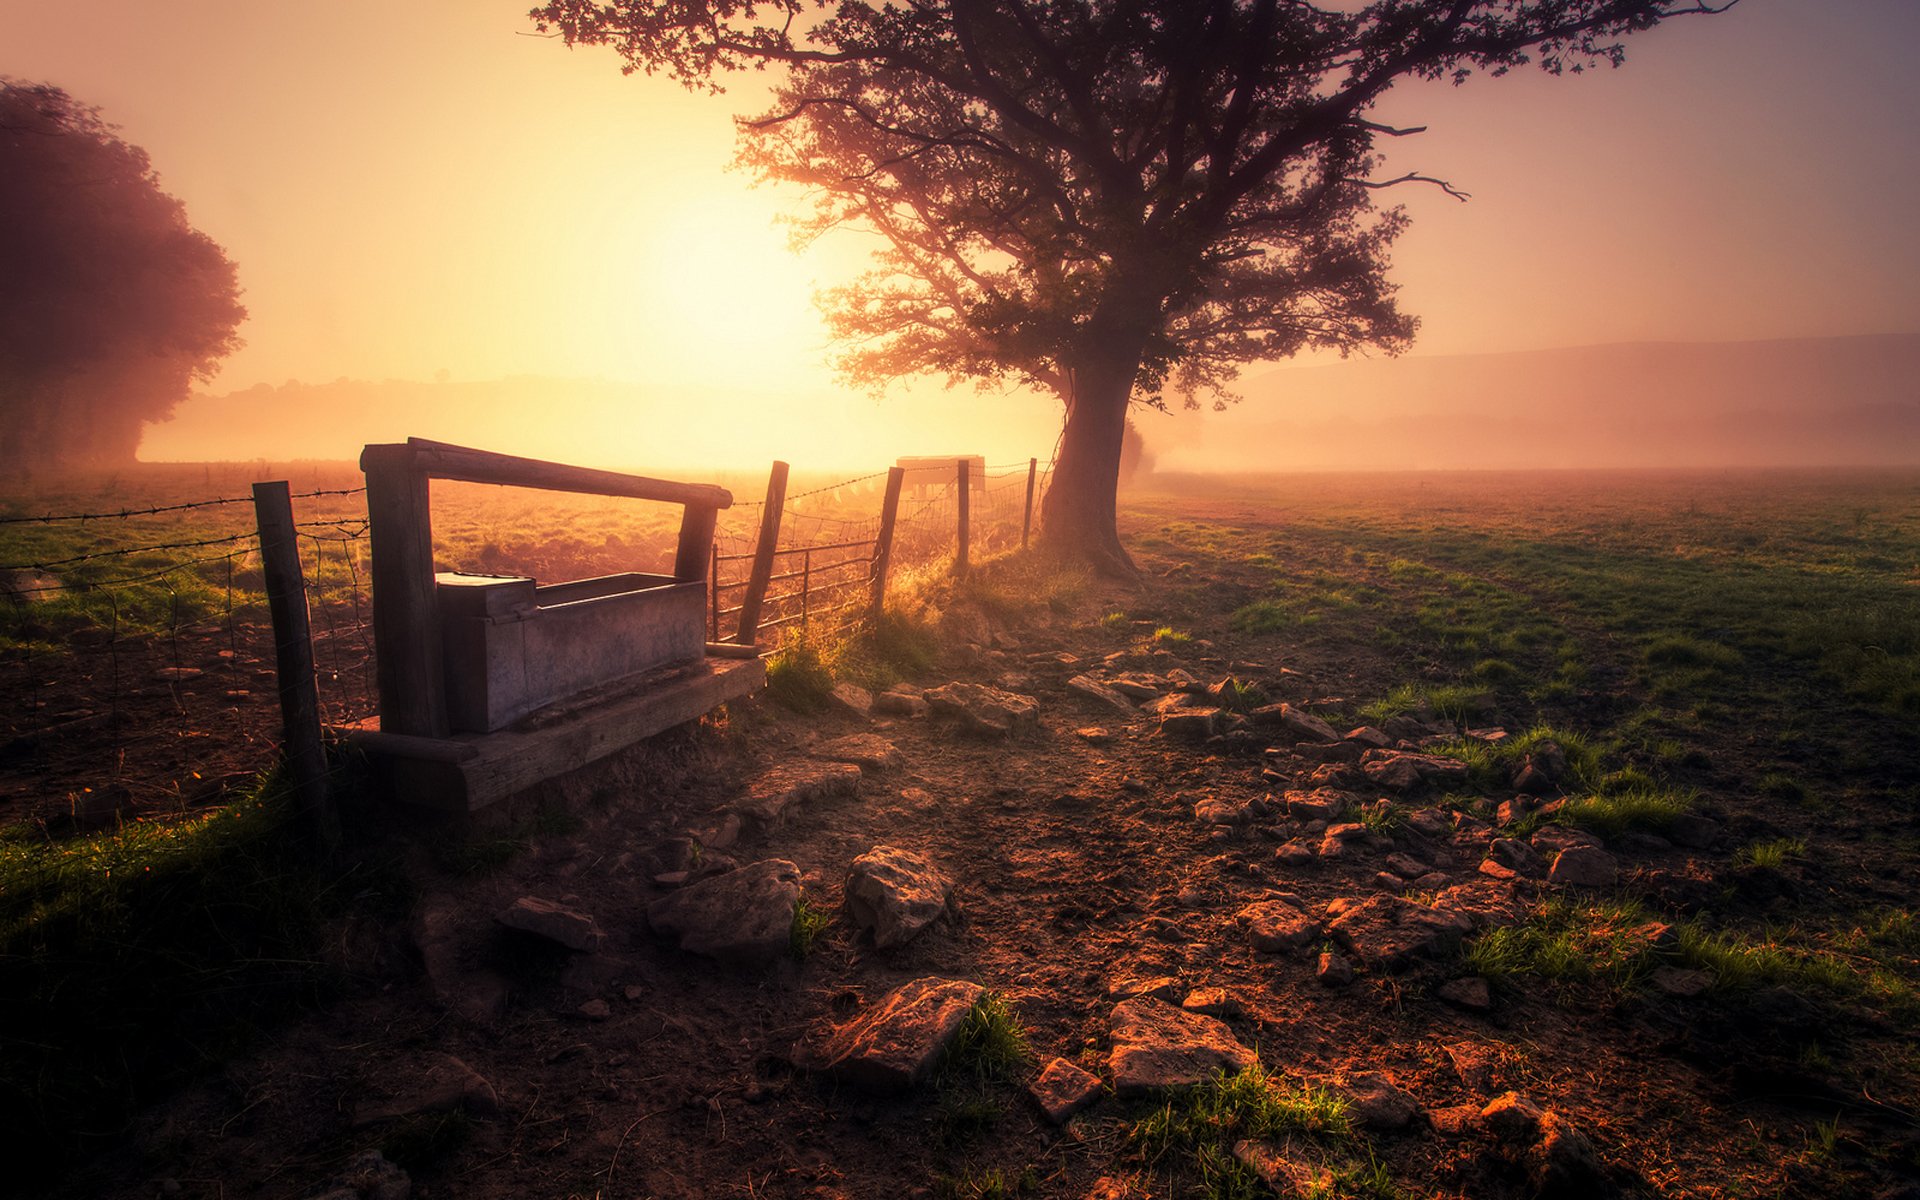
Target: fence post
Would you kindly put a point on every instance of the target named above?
(806, 583)
(293, 662)
(406, 619)
(696, 542)
(966, 519)
(883, 545)
(1026, 521)
(763, 551)
(713, 593)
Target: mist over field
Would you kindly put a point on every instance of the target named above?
(1808, 402)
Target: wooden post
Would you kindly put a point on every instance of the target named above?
(293, 662)
(713, 594)
(966, 520)
(696, 541)
(763, 550)
(1026, 522)
(883, 545)
(806, 582)
(406, 618)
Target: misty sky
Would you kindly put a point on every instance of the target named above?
(421, 187)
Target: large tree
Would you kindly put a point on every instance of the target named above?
(1113, 200)
(111, 304)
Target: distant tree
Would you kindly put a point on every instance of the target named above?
(1109, 199)
(111, 304)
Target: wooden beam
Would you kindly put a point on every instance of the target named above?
(695, 554)
(406, 619)
(443, 461)
(293, 661)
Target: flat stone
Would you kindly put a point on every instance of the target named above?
(1430, 821)
(1159, 987)
(985, 710)
(1376, 1102)
(1282, 1173)
(554, 922)
(1212, 1001)
(896, 893)
(1368, 736)
(744, 916)
(894, 703)
(1063, 1090)
(867, 750)
(1584, 866)
(853, 698)
(1275, 927)
(1321, 804)
(1551, 839)
(1189, 724)
(788, 785)
(1455, 1120)
(1333, 970)
(895, 1045)
(1100, 693)
(1512, 1118)
(1389, 930)
(1094, 735)
(1293, 854)
(1222, 810)
(1406, 866)
(1471, 993)
(1402, 770)
(1517, 856)
(1302, 726)
(1157, 1046)
(1475, 1063)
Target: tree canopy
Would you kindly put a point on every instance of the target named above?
(111, 304)
(1111, 199)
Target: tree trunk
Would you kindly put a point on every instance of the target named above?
(1077, 516)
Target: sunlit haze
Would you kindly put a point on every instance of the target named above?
(426, 192)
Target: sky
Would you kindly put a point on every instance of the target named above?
(424, 190)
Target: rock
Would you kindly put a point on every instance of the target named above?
(1100, 693)
(1275, 927)
(1455, 1120)
(1694, 831)
(1063, 1090)
(866, 750)
(1211, 1001)
(1327, 752)
(556, 923)
(1376, 1102)
(985, 710)
(1368, 736)
(1406, 866)
(1336, 775)
(1094, 735)
(439, 1083)
(1512, 1118)
(1551, 839)
(1220, 810)
(1302, 726)
(595, 1009)
(1517, 856)
(1283, 1174)
(896, 1044)
(896, 894)
(1293, 854)
(1159, 987)
(1157, 1046)
(1681, 982)
(478, 996)
(1322, 804)
(1532, 781)
(1403, 770)
(1389, 930)
(1189, 724)
(744, 916)
(853, 698)
(1431, 822)
(371, 1177)
(1516, 809)
(1563, 1162)
(1584, 866)
(896, 703)
(1475, 1063)
(790, 784)
(1470, 993)
(1333, 970)
(1137, 687)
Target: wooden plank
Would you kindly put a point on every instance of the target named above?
(406, 619)
(286, 588)
(441, 460)
(883, 545)
(758, 577)
(695, 553)
(966, 520)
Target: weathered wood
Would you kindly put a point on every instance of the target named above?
(503, 764)
(966, 519)
(406, 621)
(883, 545)
(731, 650)
(769, 541)
(695, 553)
(1026, 520)
(443, 461)
(286, 589)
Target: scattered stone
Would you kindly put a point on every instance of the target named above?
(1584, 866)
(1564, 1162)
(1333, 970)
(1694, 831)
(1369, 737)
(744, 916)
(1402, 770)
(1336, 775)
(1276, 927)
(898, 703)
(1376, 1102)
(1221, 810)
(1136, 687)
(1474, 1062)
(440, 1083)
(854, 698)
(1157, 1046)
(1347, 831)
(985, 710)
(1063, 1090)
(1283, 1175)
(866, 750)
(595, 1009)
(1212, 1001)
(1471, 993)
(1516, 809)
(1328, 752)
(790, 784)
(1491, 734)
(895, 1045)
(1322, 804)
(1099, 692)
(1389, 930)
(556, 923)
(1303, 726)
(1159, 987)
(1512, 1118)
(1406, 866)
(896, 894)
(1293, 854)
(1531, 780)
(1517, 856)
(1456, 1120)
(1551, 839)
(370, 1177)
(1681, 982)
(1430, 821)
(1189, 724)
(1094, 735)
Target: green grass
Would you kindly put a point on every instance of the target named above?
(1193, 1131)
(992, 1045)
(1167, 635)
(809, 922)
(1651, 810)
(1458, 703)
(800, 673)
(994, 1183)
(1773, 854)
(1564, 942)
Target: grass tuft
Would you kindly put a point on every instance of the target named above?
(1610, 815)
(809, 922)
